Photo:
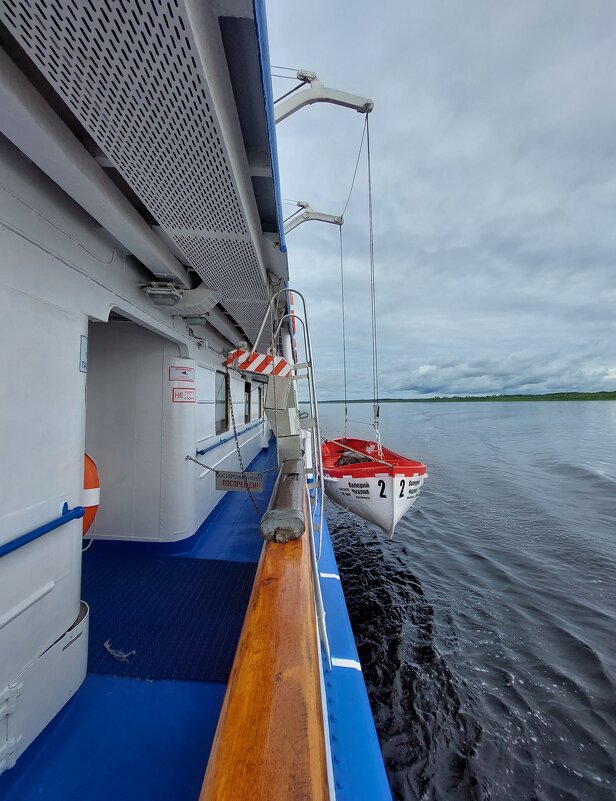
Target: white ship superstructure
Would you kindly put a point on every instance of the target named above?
(141, 242)
(139, 237)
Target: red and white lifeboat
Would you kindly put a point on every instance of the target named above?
(380, 487)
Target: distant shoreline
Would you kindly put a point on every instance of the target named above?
(551, 396)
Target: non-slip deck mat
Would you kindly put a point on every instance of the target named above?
(172, 617)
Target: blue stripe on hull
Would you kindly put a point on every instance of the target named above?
(359, 772)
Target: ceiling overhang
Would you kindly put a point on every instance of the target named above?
(174, 98)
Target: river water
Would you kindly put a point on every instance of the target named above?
(487, 626)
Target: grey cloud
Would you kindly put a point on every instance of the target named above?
(520, 372)
(494, 189)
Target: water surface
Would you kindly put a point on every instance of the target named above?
(486, 628)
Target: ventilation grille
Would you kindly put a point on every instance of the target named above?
(252, 314)
(228, 255)
(130, 73)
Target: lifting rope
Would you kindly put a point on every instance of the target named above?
(344, 364)
(375, 352)
(374, 335)
(342, 298)
(361, 147)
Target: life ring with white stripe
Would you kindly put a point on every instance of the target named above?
(91, 491)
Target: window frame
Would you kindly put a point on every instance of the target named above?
(247, 402)
(222, 425)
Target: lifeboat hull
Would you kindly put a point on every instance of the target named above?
(380, 492)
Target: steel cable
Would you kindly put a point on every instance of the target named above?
(344, 363)
(375, 354)
(361, 147)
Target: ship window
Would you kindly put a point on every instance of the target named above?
(247, 387)
(260, 401)
(222, 402)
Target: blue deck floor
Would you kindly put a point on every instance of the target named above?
(129, 738)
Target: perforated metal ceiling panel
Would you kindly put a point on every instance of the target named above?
(130, 72)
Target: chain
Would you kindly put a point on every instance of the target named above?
(238, 448)
(196, 461)
(215, 470)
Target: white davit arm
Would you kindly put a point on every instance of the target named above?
(308, 214)
(319, 94)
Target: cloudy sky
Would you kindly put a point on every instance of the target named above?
(494, 155)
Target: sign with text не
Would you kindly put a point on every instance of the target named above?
(236, 482)
(184, 395)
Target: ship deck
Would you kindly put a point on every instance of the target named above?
(142, 736)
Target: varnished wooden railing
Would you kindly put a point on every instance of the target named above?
(269, 744)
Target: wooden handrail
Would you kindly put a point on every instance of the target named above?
(269, 743)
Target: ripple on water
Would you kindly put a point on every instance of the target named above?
(486, 627)
(488, 696)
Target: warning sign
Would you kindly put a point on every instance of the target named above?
(184, 395)
(236, 482)
(83, 355)
(179, 373)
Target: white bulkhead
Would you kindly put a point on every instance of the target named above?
(121, 189)
(81, 341)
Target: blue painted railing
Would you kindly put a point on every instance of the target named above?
(220, 442)
(24, 539)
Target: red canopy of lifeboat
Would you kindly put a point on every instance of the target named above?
(337, 455)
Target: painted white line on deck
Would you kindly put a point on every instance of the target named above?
(330, 575)
(346, 663)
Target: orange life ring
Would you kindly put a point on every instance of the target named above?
(91, 491)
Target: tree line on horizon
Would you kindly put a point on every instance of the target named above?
(547, 396)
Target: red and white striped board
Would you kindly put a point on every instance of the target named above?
(248, 362)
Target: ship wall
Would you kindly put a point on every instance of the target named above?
(61, 279)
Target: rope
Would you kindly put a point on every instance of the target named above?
(361, 453)
(121, 656)
(91, 539)
(344, 364)
(361, 147)
(346, 205)
(297, 211)
(290, 92)
(375, 354)
(290, 69)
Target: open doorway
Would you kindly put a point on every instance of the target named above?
(124, 425)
